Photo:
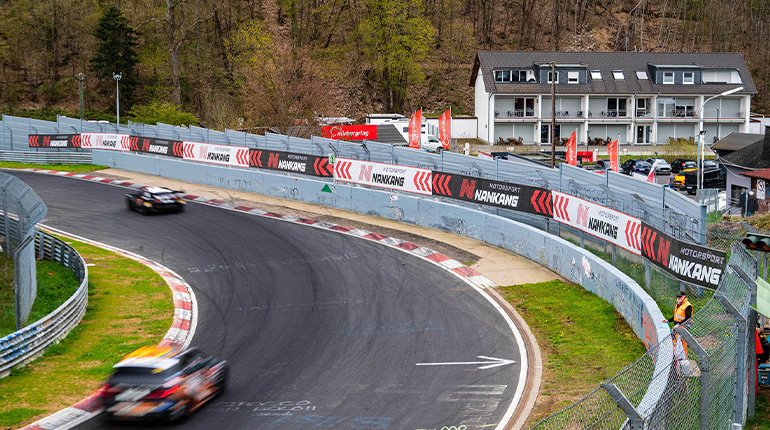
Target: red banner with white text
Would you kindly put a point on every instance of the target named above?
(445, 128)
(415, 123)
(349, 132)
(572, 149)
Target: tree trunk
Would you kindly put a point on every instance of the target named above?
(173, 50)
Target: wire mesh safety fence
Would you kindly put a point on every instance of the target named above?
(21, 210)
(701, 387)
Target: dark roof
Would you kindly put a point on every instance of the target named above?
(736, 141)
(389, 134)
(754, 157)
(606, 62)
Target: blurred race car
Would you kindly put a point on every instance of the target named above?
(155, 200)
(161, 383)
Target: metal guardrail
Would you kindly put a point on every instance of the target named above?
(31, 341)
(47, 157)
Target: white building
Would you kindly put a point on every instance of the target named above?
(636, 97)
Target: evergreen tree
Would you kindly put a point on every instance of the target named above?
(115, 53)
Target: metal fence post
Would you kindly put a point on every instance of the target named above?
(740, 380)
(751, 338)
(634, 417)
(705, 379)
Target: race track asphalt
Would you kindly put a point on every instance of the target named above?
(322, 330)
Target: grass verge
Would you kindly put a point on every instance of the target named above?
(55, 284)
(573, 327)
(129, 305)
(73, 168)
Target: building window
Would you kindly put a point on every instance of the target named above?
(688, 78)
(502, 75)
(616, 107)
(550, 77)
(596, 74)
(641, 75)
(666, 106)
(618, 74)
(573, 77)
(524, 107)
(514, 75)
(668, 77)
(545, 133)
(642, 107)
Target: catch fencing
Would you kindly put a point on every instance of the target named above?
(21, 210)
(31, 341)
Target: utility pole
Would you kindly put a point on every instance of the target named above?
(117, 77)
(553, 114)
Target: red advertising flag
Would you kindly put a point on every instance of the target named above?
(349, 132)
(572, 149)
(415, 122)
(651, 175)
(612, 149)
(445, 128)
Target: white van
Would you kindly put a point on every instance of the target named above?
(428, 142)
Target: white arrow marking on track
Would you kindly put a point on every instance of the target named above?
(490, 363)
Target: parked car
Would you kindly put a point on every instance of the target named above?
(682, 163)
(155, 200)
(713, 177)
(662, 167)
(161, 383)
(431, 144)
(635, 166)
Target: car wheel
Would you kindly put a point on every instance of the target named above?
(181, 209)
(129, 204)
(690, 192)
(143, 210)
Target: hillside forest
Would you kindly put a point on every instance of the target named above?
(270, 64)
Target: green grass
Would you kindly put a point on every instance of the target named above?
(573, 327)
(129, 306)
(55, 284)
(761, 420)
(74, 168)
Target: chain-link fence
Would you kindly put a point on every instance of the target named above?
(703, 388)
(21, 210)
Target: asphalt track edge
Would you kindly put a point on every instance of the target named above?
(516, 415)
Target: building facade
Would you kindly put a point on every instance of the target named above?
(638, 98)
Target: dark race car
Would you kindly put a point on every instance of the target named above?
(148, 200)
(161, 383)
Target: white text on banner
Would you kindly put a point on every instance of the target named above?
(402, 178)
(237, 156)
(605, 223)
(115, 142)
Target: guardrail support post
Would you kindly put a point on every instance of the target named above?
(740, 379)
(705, 379)
(634, 417)
(751, 338)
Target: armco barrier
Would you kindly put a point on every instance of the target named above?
(31, 341)
(572, 262)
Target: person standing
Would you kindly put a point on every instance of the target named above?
(682, 315)
(752, 204)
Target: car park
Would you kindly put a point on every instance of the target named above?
(661, 166)
(635, 166)
(148, 200)
(682, 163)
(162, 383)
(714, 176)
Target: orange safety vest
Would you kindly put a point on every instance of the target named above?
(679, 316)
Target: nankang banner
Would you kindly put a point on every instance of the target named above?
(290, 162)
(151, 145)
(54, 141)
(505, 195)
(605, 223)
(402, 178)
(686, 261)
(236, 156)
(111, 141)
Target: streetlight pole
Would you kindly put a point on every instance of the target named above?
(117, 77)
(553, 114)
(701, 136)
